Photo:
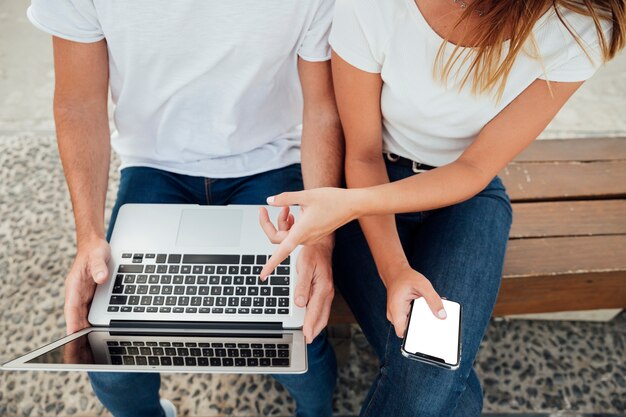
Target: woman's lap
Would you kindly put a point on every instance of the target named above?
(461, 250)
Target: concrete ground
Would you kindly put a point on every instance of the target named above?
(565, 367)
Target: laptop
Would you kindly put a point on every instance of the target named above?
(184, 295)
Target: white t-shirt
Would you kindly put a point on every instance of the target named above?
(202, 87)
(424, 120)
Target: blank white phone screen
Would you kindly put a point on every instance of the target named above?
(432, 336)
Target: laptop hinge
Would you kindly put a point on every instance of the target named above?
(197, 325)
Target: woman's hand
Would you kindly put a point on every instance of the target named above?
(404, 287)
(322, 211)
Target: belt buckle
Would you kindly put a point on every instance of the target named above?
(392, 157)
(415, 168)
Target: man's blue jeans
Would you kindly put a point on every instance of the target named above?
(137, 394)
(460, 249)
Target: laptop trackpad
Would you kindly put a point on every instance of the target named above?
(210, 227)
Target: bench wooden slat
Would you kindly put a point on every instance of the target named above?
(594, 149)
(531, 181)
(569, 292)
(569, 218)
(565, 255)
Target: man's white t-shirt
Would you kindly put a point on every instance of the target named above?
(201, 87)
(423, 119)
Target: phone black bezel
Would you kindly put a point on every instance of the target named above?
(433, 360)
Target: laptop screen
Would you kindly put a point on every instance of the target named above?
(151, 349)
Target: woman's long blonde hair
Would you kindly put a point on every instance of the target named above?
(513, 20)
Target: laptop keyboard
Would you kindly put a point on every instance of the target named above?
(198, 354)
(199, 284)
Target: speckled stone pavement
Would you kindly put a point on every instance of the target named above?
(525, 366)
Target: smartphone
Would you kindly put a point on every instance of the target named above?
(432, 340)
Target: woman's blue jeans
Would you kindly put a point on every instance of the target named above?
(137, 394)
(460, 249)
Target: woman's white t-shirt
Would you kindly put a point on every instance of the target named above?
(423, 119)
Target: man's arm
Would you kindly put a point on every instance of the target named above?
(82, 125)
(322, 166)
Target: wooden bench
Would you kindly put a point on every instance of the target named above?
(567, 248)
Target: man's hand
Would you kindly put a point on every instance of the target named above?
(404, 287)
(315, 289)
(89, 268)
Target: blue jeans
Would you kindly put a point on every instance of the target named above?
(137, 394)
(460, 249)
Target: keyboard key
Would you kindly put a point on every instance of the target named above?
(215, 362)
(196, 301)
(246, 270)
(229, 290)
(266, 291)
(243, 311)
(280, 362)
(230, 310)
(126, 309)
(118, 289)
(211, 259)
(113, 309)
(133, 300)
(252, 362)
(203, 362)
(154, 289)
(276, 280)
(189, 361)
(247, 259)
(161, 269)
(142, 289)
(245, 353)
(264, 362)
(208, 301)
(146, 300)
(161, 258)
(220, 352)
(118, 300)
(130, 269)
(261, 259)
(218, 310)
(142, 279)
(178, 361)
(233, 270)
(286, 261)
(209, 269)
(205, 310)
(166, 361)
(185, 269)
(174, 259)
(128, 360)
(240, 362)
(165, 309)
(270, 302)
(280, 291)
(283, 302)
(217, 345)
(283, 353)
(283, 311)
(173, 269)
(130, 289)
(220, 301)
(117, 350)
(270, 311)
(178, 310)
(128, 279)
(228, 362)
(221, 270)
(116, 360)
(127, 255)
(246, 301)
(282, 270)
(170, 301)
(197, 269)
(257, 311)
(150, 269)
(214, 280)
(139, 309)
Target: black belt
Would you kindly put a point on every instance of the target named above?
(405, 162)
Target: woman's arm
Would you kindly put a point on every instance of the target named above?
(512, 130)
(358, 101)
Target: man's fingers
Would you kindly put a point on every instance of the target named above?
(317, 312)
(98, 269)
(75, 318)
(433, 300)
(398, 315)
(305, 277)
